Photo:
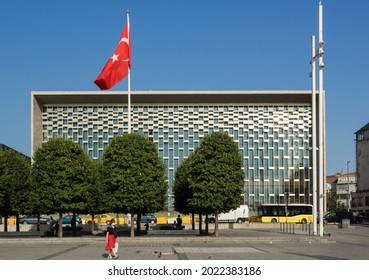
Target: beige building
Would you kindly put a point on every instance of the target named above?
(343, 187)
(360, 200)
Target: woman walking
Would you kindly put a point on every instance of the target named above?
(111, 239)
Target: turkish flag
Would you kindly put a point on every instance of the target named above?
(118, 65)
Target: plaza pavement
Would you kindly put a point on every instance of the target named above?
(248, 242)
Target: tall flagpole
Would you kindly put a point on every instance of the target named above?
(129, 77)
(321, 145)
(314, 130)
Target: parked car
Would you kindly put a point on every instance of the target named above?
(365, 216)
(68, 219)
(32, 219)
(147, 218)
(100, 218)
(338, 216)
(358, 218)
(361, 217)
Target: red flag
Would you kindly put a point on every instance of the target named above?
(118, 65)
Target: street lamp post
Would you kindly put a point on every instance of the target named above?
(317, 174)
(348, 187)
(321, 146)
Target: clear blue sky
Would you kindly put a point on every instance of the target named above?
(187, 45)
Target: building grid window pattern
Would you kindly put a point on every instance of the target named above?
(273, 140)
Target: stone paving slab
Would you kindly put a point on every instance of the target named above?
(212, 250)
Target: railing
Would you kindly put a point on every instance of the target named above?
(292, 228)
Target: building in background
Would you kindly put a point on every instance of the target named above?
(4, 147)
(342, 187)
(360, 201)
(273, 130)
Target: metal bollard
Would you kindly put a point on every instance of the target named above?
(304, 227)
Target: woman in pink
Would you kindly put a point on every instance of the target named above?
(111, 238)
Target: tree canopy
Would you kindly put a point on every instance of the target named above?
(14, 183)
(134, 175)
(96, 193)
(216, 176)
(181, 188)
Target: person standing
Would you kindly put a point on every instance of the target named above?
(179, 222)
(111, 239)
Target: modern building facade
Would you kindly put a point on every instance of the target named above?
(273, 130)
(360, 200)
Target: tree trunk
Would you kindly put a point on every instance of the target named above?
(200, 223)
(38, 221)
(216, 229)
(132, 225)
(60, 227)
(74, 224)
(17, 222)
(92, 223)
(6, 223)
(138, 223)
(193, 221)
(207, 223)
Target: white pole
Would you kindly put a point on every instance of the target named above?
(348, 188)
(321, 146)
(129, 100)
(313, 126)
(129, 78)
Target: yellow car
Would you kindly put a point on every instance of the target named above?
(100, 218)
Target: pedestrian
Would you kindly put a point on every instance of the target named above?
(55, 228)
(73, 222)
(179, 222)
(147, 225)
(111, 240)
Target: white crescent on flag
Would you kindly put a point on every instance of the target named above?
(124, 39)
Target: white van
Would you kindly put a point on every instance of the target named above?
(239, 215)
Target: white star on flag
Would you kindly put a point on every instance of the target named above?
(115, 57)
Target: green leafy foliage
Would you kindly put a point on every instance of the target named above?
(14, 182)
(181, 188)
(97, 199)
(133, 174)
(216, 175)
(60, 176)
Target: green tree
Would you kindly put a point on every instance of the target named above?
(14, 184)
(181, 188)
(97, 199)
(331, 202)
(182, 192)
(134, 176)
(59, 178)
(216, 176)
